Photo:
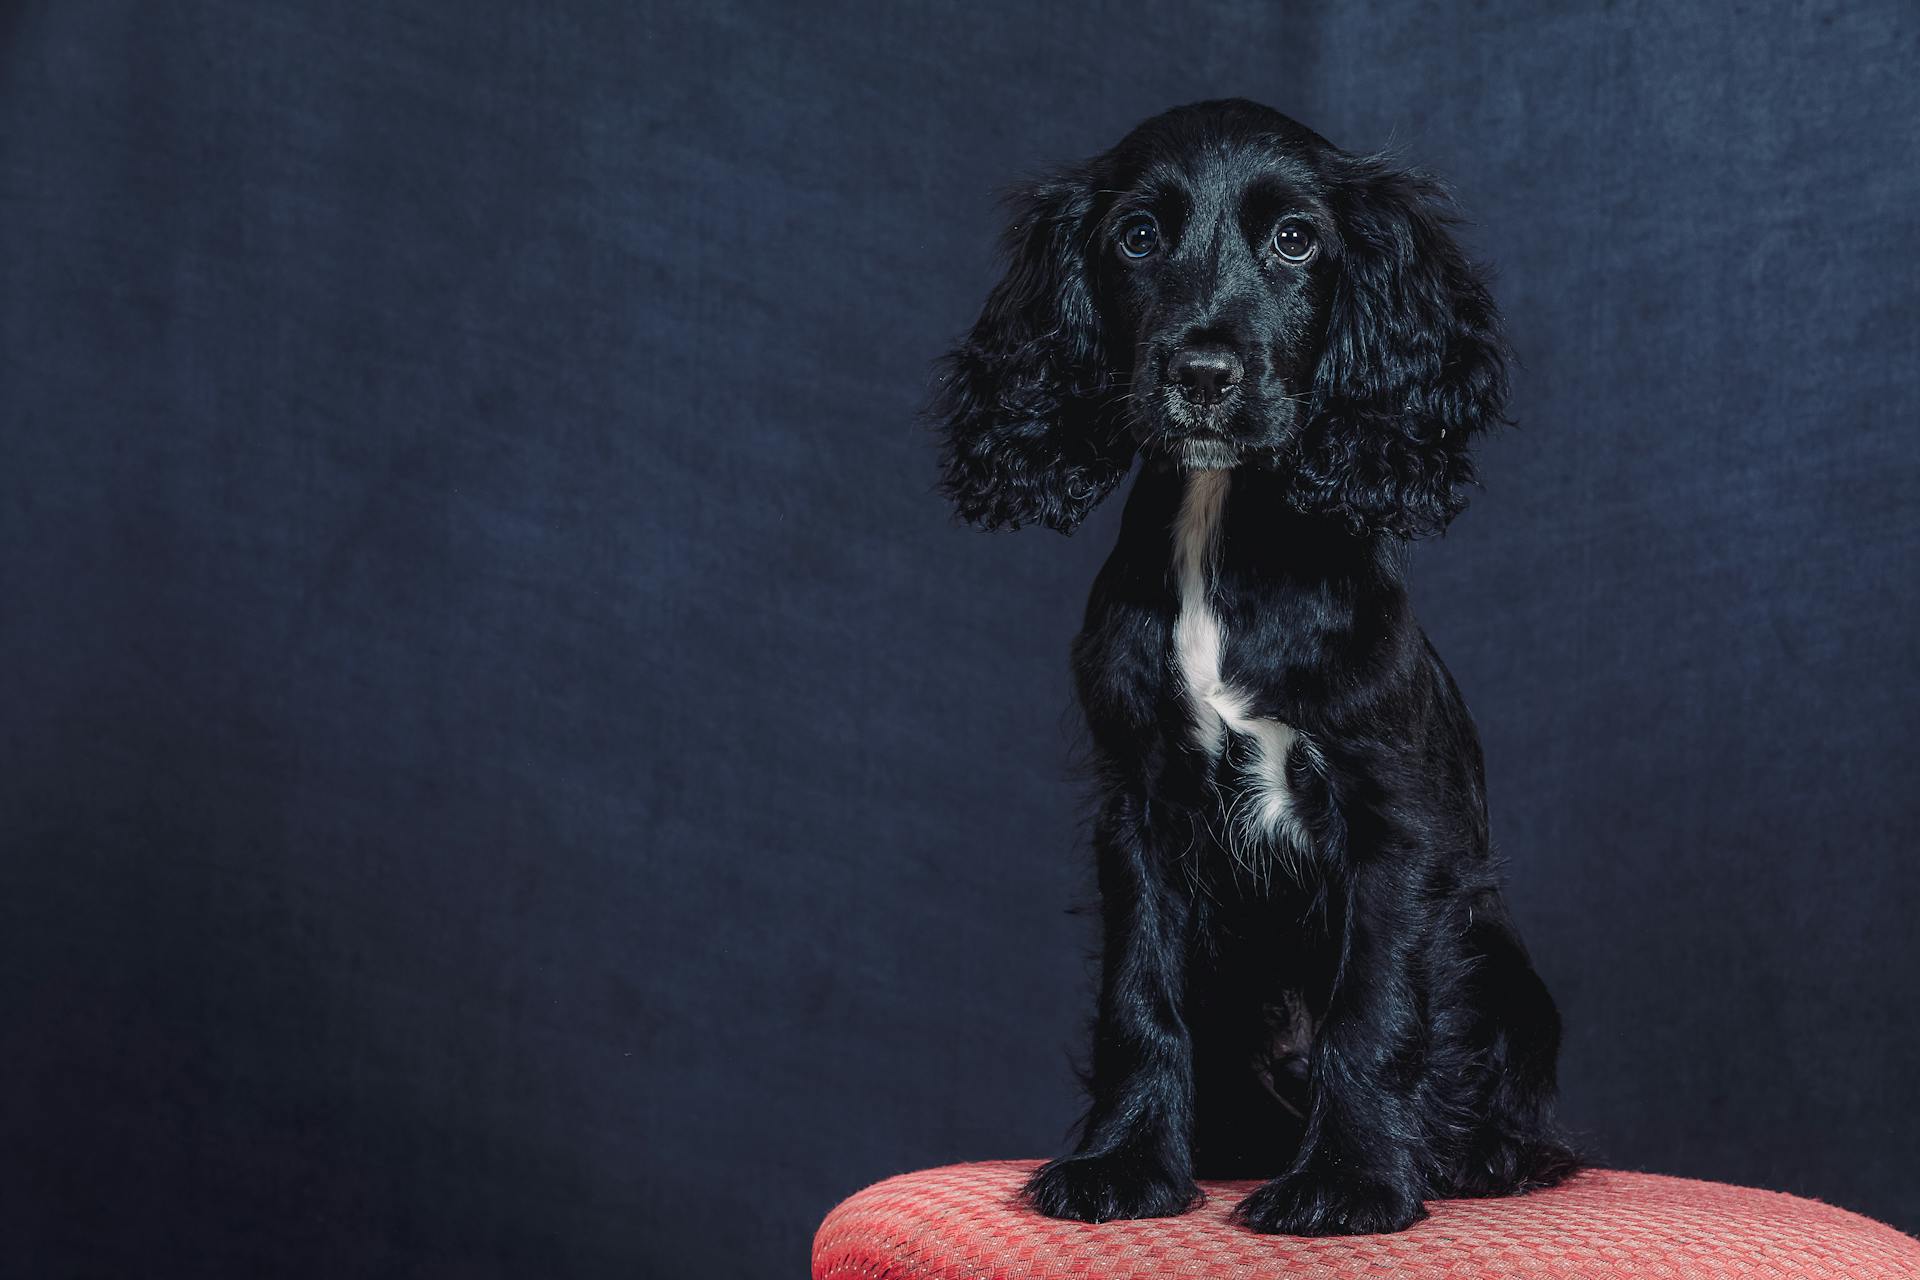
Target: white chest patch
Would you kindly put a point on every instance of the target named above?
(1264, 807)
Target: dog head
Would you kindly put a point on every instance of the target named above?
(1226, 288)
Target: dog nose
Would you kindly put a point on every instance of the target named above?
(1205, 372)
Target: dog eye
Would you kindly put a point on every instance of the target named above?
(1139, 237)
(1294, 240)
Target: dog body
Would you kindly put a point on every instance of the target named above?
(1307, 973)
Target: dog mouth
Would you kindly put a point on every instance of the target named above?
(1194, 436)
(1236, 430)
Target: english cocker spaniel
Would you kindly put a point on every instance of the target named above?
(1308, 972)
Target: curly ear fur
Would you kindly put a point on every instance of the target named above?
(1413, 367)
(1026, 400)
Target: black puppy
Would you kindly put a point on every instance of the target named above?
(1308, 970)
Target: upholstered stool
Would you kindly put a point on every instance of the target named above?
(963, 1222)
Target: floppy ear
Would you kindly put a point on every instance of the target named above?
(1026, 403)
(1413, 368)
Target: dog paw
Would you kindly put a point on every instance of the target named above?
(1310, 1204)
(1105, 1186)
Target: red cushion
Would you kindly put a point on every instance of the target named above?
(963, 1222)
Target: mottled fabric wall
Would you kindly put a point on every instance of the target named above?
(507, 767)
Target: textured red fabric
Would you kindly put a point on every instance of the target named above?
(964, 1223)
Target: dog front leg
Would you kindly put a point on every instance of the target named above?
(1356, 1172)
(1135, 1158)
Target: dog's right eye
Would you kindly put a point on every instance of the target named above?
(1139, 237)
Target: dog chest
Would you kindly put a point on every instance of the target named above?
(1222, 724)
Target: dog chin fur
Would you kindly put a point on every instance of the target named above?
(1208, 453)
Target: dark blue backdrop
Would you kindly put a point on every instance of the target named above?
(507, 768)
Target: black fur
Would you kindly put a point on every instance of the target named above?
(1351, 1013)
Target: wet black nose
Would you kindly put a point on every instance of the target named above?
(1205, 372)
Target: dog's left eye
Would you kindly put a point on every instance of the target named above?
(1139, 237)
(1294, 241)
